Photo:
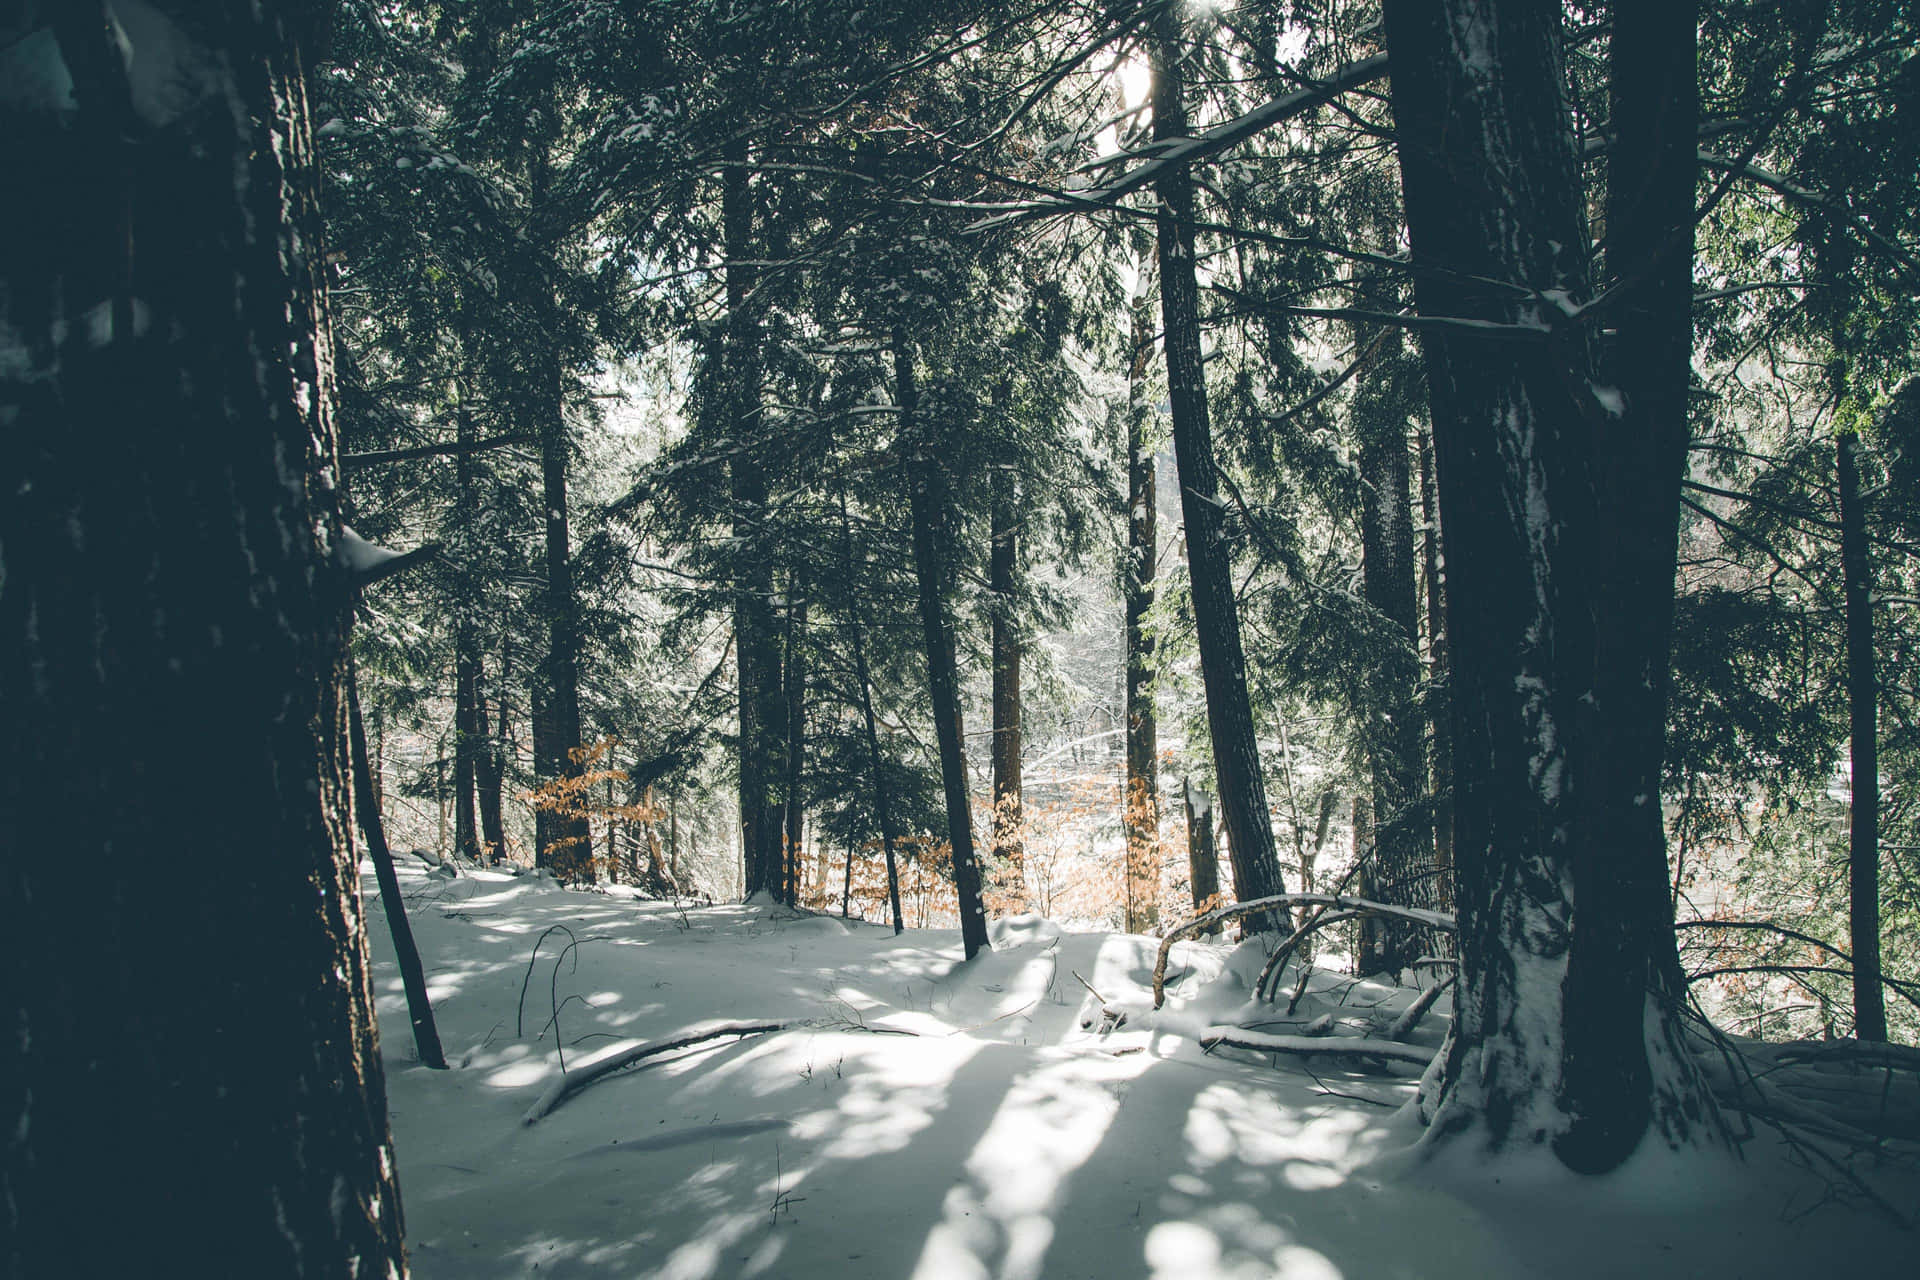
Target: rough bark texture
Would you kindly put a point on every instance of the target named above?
(200, 1062)
(1863, 861)
(927, 499)
(1624, 970)
(1236, 753)
(1142, 813)
(1566, 1029)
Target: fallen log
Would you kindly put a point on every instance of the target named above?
(627, 1052)
(1264, 1042)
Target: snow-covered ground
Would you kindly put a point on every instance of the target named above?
(931, 1119)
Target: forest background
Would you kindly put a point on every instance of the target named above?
(1234, 473)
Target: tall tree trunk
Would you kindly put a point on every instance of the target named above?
(545, 754)
(468, 738)
(1439, 723)
(1142, 805)
(571, 852)
(1401, 869)
(1863, 685)
(366, 808)
(756, 644)
(1009, 849)
(1566, 1029)
(489, 767)
(927, 499)
(1624, 970)
(172, 626)
(1216, 611)
(796, 684)
(1203, 864)
(882, 794)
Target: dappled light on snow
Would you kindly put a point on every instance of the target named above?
(919, 1117)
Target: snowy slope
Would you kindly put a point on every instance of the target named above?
(933, 1119)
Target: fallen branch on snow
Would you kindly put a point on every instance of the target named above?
(1257, 906)
(1263, 1042)
(617, 1056)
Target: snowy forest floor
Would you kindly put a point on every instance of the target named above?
(935, 1119)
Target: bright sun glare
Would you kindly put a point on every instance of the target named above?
(1135, 78)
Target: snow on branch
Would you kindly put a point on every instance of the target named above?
(367, 562)
(1258, 906)
(1807, 196)
(1266, 1042)
(1162, 157)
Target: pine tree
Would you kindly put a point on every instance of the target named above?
(174, 606)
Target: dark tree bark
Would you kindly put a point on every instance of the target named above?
(468, 737)
(1002, 557)
(562, 837)
(1439, 722)
(1556, 504)
(489, 766)
(1203, 864)
(1863, 686)
(1401, 869)
(932, 534)
(882, 795)
(202, 1055)
(1236, 753)
(542, 738)
(1141, 815)
(366, 809)
(796, 688)
(570, 851)
(756, 643)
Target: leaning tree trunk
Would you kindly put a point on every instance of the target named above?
(927, 501)
(1141, 814)
(1216, 611)
(366, 809)
(199, 1061)
(1863, 860)
(1566, 1027)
